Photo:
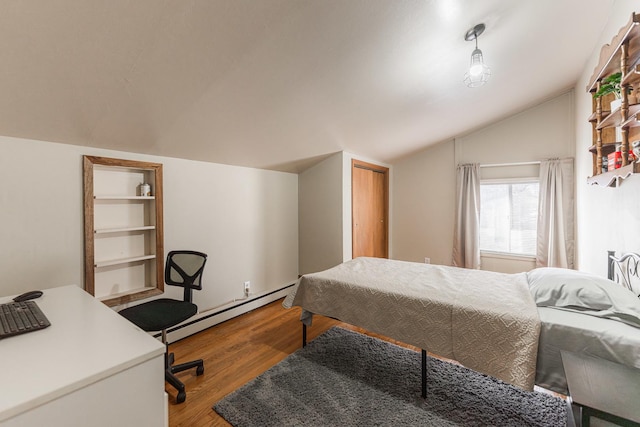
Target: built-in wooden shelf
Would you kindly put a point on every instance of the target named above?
(124, 240)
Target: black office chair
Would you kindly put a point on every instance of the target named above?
(183, 268)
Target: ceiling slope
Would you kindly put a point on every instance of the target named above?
(279, 84)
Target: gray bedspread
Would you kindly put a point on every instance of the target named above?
(485, 320)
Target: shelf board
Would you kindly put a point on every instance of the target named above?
(124, 229)
(130, 295)
(615, 177)
(632, 77)
(128, 291)
(124, 197)
(593, 117)
(606, 148)
(615, 118)
(123, 261)
(631, 122)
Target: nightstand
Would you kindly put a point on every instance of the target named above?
(603, 389)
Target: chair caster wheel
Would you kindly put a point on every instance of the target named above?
(181, 397)
(199, 370)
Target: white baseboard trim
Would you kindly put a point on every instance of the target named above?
(207, 319)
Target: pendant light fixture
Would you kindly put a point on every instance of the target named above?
(478, 73)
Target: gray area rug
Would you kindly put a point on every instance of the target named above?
(344, 378)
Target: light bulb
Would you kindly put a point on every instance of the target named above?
(475, 70)
(476, 63)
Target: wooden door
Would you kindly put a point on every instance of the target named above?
(370, 209)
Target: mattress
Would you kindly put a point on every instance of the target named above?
(580, 333)
(485, 320)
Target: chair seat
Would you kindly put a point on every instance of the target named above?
(160, 314)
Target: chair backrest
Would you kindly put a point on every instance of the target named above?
(184, 268)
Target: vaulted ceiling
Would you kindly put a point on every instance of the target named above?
(279, 84)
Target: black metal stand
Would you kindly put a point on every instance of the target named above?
(424, 374)
(304, 335)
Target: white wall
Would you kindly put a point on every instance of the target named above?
(537, 133)
(245, 219)
(607, 218)
(424, 194)
(424, 188)
(325, 212)
(321, 219)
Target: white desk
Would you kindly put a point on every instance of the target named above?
(90, 367)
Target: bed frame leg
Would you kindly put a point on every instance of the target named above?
(424, 374)
(304, 335)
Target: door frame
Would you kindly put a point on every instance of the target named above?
(385, 171)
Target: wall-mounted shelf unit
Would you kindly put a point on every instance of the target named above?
(621, 55)
(124, 249)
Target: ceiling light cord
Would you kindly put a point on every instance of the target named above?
(478, 73)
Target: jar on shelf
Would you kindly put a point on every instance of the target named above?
(145, 190)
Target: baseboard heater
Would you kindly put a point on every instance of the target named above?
(224, 310)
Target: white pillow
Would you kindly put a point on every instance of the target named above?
(595, 295)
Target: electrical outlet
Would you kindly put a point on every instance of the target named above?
(247, 288)
(427, 260)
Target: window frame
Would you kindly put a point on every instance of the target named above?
(501, 254)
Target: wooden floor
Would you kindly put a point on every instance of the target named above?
(234, 353)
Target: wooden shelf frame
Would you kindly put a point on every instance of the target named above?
(621, 55)
(90, 232)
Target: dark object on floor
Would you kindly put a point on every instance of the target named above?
(345, 378)
(183, 268)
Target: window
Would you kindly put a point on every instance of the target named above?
(508, 216)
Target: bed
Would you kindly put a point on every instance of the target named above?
(609, 330)
(510, 326)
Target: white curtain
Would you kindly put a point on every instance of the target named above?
(466, 243)
(555, 247)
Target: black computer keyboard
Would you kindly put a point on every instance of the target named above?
(21, 317)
